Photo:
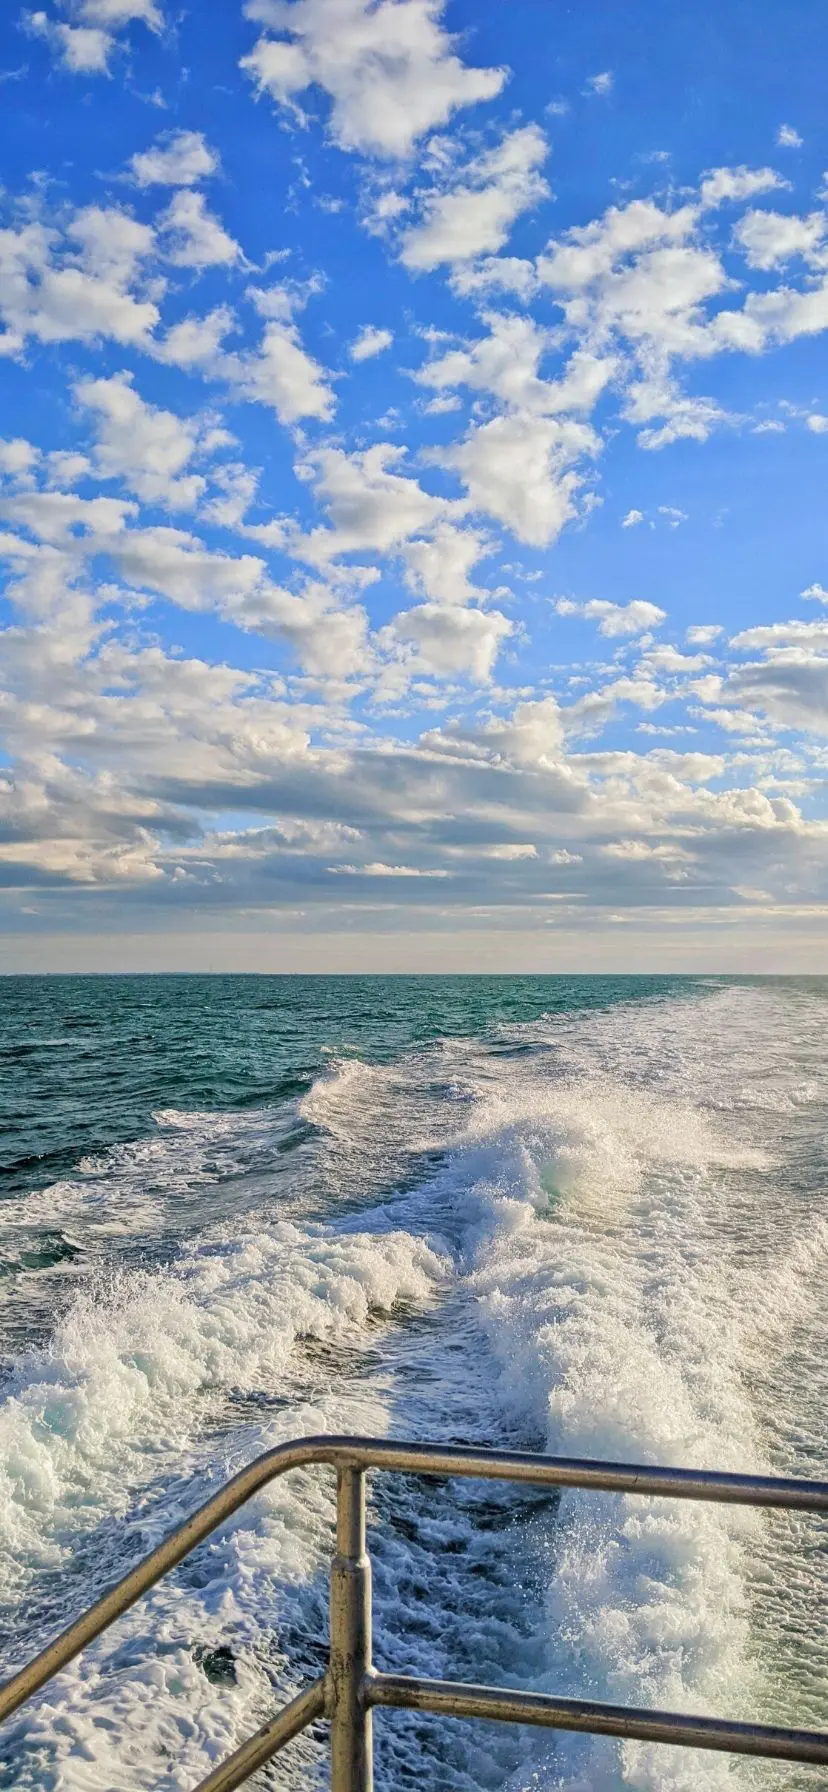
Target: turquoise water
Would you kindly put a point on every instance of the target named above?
(576, 1214)
(87, 1060)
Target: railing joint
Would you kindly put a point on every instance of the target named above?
(351, 1688)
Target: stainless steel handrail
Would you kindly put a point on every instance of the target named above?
(351, 1687)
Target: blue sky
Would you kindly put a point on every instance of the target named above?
(414, 434)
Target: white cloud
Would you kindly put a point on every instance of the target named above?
(85, 48)
(196, 237)
(788, 138)
(148, 448)
(280, 373)
(728, 185)
(475, 217)
(634, 618)
(237, 488)
(518, 469)
(82, 49)
(66, 467)
(816, 593)
(633, 285)
(57, 292)
(111, 14)
(772, 238)
(670, 659)
(506, 363)
(442, 405)
(672, 517)
(790, 684)
(196, 341)
(700, 634)
(785, 314)
(632, 519)
(589, 251)
(388, 68)
(532, 736)
(179, 159)
(440, 565)
(514, 851)
(371, 505)
(683, 418)
(370, 341)
(495, 274)
(329, 639)
(774, 635)
(379, 869)
(600, 84)
(58, 517)
(453, 641)
(114, 245)
(18, 457)
(177, 565)
(817, 423)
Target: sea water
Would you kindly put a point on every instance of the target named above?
(577, 1215)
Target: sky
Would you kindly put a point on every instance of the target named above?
(413, 446)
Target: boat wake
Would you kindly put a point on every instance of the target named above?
(603, 1235)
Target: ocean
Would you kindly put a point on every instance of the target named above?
(567, 1214)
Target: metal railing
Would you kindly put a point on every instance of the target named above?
(352, 1688)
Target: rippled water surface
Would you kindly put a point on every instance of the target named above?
(587, 1215)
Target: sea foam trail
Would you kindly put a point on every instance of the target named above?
(573, 1208)
(628, 1268)
(585, 1270)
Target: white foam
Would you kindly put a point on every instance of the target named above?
(132, 1371)
(647, 1601)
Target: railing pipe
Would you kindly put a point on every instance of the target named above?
(267, 1741)
(450, 1698)
(350, 1661)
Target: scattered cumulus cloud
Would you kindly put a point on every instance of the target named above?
(179, 159)
(519, 469)
(769, 239)
(727, 186)
(377, 687)
(634, 618)
(150, 449)
(86, 46)
(474, 217)
(390, 70)
(17, 457)
(788, 137)
(370, 341)
(193, 235)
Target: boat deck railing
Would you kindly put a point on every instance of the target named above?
(351, 1689)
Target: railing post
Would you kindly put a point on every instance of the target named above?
(351, 1737)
